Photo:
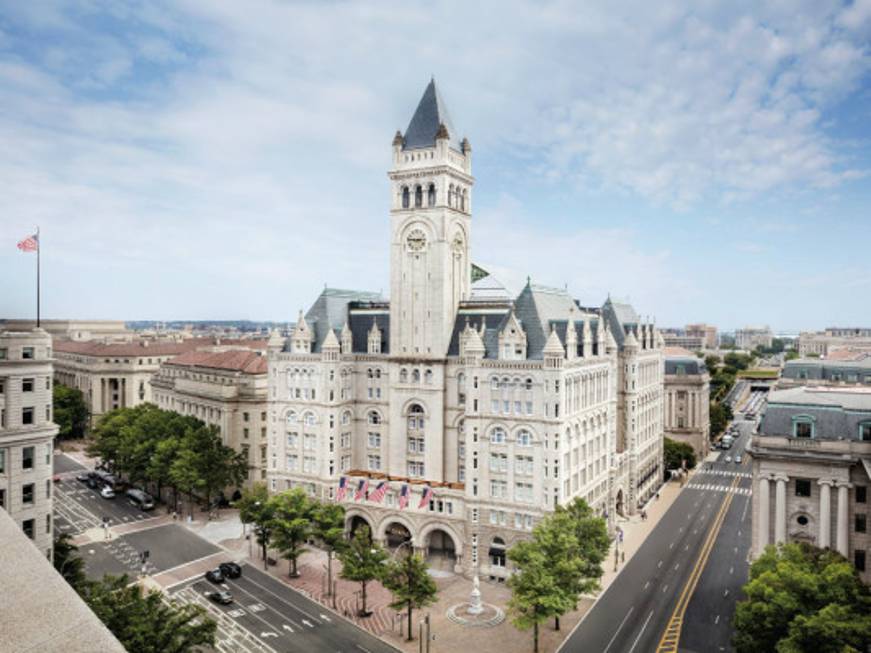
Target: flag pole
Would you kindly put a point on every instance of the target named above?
(38, 247)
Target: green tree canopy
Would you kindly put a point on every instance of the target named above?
(328, 523)
(593, 541)
(255, 508)
(144, 622)
(801, 599)
(292, 513)
(674, 453)
(70, 412)
(412, 586)
(67, 561)
(363, 561)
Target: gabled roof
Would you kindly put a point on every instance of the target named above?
(361, 315)
(237, 360)
(431, 112)
(618, 316)
(493, 317)
(537, 308)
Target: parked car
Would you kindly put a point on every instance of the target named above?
(728, 459)
(215, 576)
(56, 478)
(83, 477)
(223, 597)
(107, 493)
(738, 458)
(140, 499)
(92, 481)
(230, 569)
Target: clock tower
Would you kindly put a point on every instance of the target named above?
(431, 208)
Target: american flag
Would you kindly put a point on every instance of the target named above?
(29, 244)
(361, 489)
(379, 492)
(343, 487)
(403, 497)
(425, 497)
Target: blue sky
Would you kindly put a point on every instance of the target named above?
(208, 159)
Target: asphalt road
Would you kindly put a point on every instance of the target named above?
(635, 611)
(281, 618)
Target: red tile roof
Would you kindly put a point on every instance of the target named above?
(675, 352)
(242, 360)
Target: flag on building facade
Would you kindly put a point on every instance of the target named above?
(29, 244)
(379, 492)
(361, 489)
(426, 497)
(403, 496)
(343, 487)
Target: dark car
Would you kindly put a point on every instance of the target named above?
(230, 569)
(223, 597)
(215, 576)
(82, 478)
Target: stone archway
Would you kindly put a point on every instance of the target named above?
(619, 504)
(354, 521)
(440, 549)
(396, 534)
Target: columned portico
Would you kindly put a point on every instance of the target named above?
(780, 509)
(843, 526)
(824, 538)
(764, 512)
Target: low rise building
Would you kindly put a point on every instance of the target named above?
(706, 332)
(687, 400)
(118, 375)
(27, 433)
(227, 389)
(823, 343)
(678, 338)
(855, 370)
(812, 470)
(77, 330)
(751, 337)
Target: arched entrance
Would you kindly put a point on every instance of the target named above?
(619, 504)
(441, 552)
(355, 522)
(396, 534)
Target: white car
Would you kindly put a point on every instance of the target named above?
(107, 493)
(728, 459)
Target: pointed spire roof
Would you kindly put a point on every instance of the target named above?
(631, 341)
(301, 327)
(553, 346)
(275, 339)
(429, 118)
(474, 343)
(330, 342)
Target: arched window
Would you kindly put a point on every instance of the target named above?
(497, 435)
(462, 195)
(461, 389)
(369, 373)
(292, 418)
(309, 419)
(403, 375)
(406, 197)
(418, 197)
(430, 195)
(497, 552)
(346, 417)
(427, 377)
(415, 417)
(524, 438)
(374, 417)
(451, 195)
(415, 376)
(378, 373)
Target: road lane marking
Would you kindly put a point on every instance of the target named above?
(664, 587)
(717, 620)
(283, 600)
(646, 621)
(677, 566)
(618, 629)
(647, 584)
(659, 565)
(668, 643)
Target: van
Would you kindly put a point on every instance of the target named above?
(141, 499)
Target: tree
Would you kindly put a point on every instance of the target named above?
(184, 474)
(215, 466)
(256, 508)
(160, 467)
(712, 363)
(801, 599)
(291, 525)
(593, 541)
(675, 453)
(536, 593)
(143, 622)
(70, 411)
(329, 528)
(362, 562)
(67, 561)
(411, 585)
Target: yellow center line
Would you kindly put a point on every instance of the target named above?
(670, 638)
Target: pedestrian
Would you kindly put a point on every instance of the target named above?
(622, 556)
(174, 515)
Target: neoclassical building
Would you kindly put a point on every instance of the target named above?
(812, 470)
(687, 400)
(505, 407)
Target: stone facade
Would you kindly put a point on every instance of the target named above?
(855, 371)
(812, 471)
(822, 343)
(706, 332)
(687, 400)
(77, 330)
(27, 433)
(226, 389)
(751, 337)
(502, 408)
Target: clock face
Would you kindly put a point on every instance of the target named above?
(416, 240)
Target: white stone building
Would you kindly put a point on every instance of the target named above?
(751, 337)
(27, 433)
(823, 343)
(812, 470)
(687, 400)
(504, 407)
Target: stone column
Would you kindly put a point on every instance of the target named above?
(843, 526)
(780, 510)
(764, 513)
(824, 539)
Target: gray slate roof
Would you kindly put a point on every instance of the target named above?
(430, 113)
(494, 319)
(836, 413)
(330, 311)
(818, 370)
(691, 365)
(618, 317)
(362, 315)
(537, 307)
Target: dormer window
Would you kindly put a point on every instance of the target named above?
(803, 426)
